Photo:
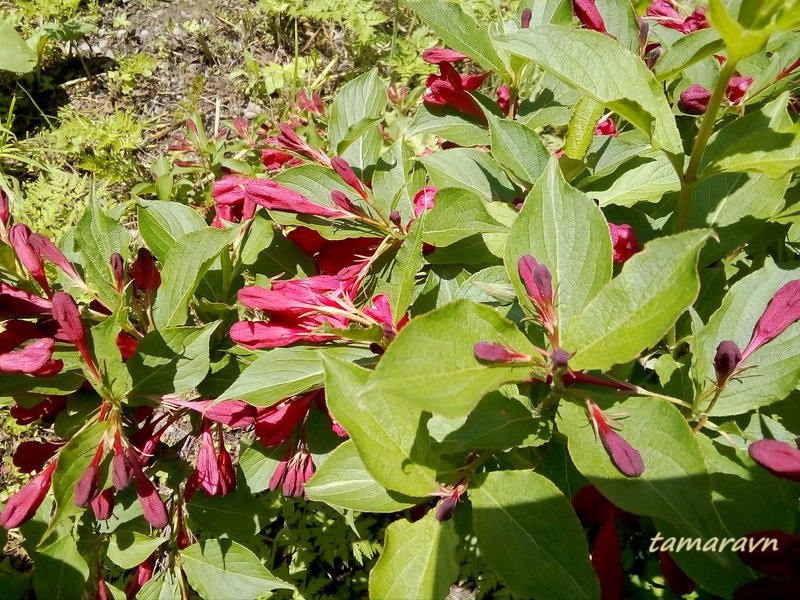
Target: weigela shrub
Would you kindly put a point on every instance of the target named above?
(550, 317)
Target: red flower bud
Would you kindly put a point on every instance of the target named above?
(155, 512)
(783, 310)
(233, 413)
(678, 582)
(588, 15)
(343, 169)
(537, 280)
(51, 252)
(779, 458)
(341, 201)
(126, 344)
(23, 505)
(86, 488)
(726, 360)
(275, 424)
(624, 456)
(66, 313)
(31, 259)
(118, 270)
(103, 593)
(144, 573)
(525, 20)
(437, 55)
(496, 353)
(121, 468)
(623, 241)
(227, 472)
(694, 99)
(144, 272)
(103, 504)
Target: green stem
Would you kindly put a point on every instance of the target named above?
(706, 129)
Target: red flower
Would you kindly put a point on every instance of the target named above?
(46, 410)
(344, 171)
(313, 104)
(779, 458)
(623, 241)
(525, 19)
(424, 199)
(606, 560)
(144, 573)
(451, 89)
(624, 456)
(726, 359)
(678, 582)
(694, 99)
(50, 251)
(30, 456)
(155, 512)
(34, 359)
(86, 488)
(663, 12)
(233, 413)
(588, 15)
(103, 504)
(144, 272)
(606, 126)
(206, 473)
(538, 282)
(118, 270)
(5, 214)
(227, 472)
(121, 467)
(737, 88)
(67, 315)
(23, 505)
(126, 344)
(783, 310)
(276, 423)
(274, 160)
(292, 473)
(381, 311)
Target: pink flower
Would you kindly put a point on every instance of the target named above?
(538, 282)
(525, 19)
(497, 353)
(313, 104)
(623, 241)
(34, 359)
(289, 140)
(86, 488)
(23, 505)
(624, 456)
(155, 512)
(118, 270)
(233, 413)
(48, 250)
(66, 313)
(381, 311)
(437, 55)
(144, 272)
(783, 310)
(737, 88)
(663, 11)
(588, 15)
(779, 458)
(695, 21)
(103, 504)
(144, 573)
(206, 475)
(451, 89)
(424, 199)
(274, 160)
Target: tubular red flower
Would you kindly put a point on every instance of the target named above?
(67, 315)
(233, 413)
(779, 458)
(782, 311)
(624, 456)
(144, 272)
(292, 473)
(259, 335)
(588, 15)
(342, 202)
(606, 560)
(51, 252)
(118, 270)
(5, 214)
(623, 242)
(437, 55)
(144, 573)
(86, 488)
(28, 255)
(24, 504)
(274, 160)
(126, 344)
(227, 472)
(155, 512)
(607, 127)
(46, 410)
(206, 475)
(737, 88)
(678, 582)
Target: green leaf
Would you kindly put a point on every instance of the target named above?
(459, 32)
(431, 364)
(130, 545)
(521, 519)
(282, 372)
(363, 98)
(548, 11)
(183, 269)
(225, 569)
(407, 264)
(740, 41)
(61, 571)
(395, 181)
(457, 214)
(469, 169)
(97, 237)
(344, 483)
(518, 149)
(390, 435)
(15, 54)
(162, 224)
(258, 463)
(564, 230)
(116, 379)
(418, 560)
(448, 124)
(239, 515)
(772, 372)
(763, 142)
(635, 309)
(620, 20)
(61, 384)
(171, 361)
(675, 487)
(598, 67)
(686, 51)
(647, 178)
(581, 127)
(163, 586)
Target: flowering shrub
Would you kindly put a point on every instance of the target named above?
(548, 318)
